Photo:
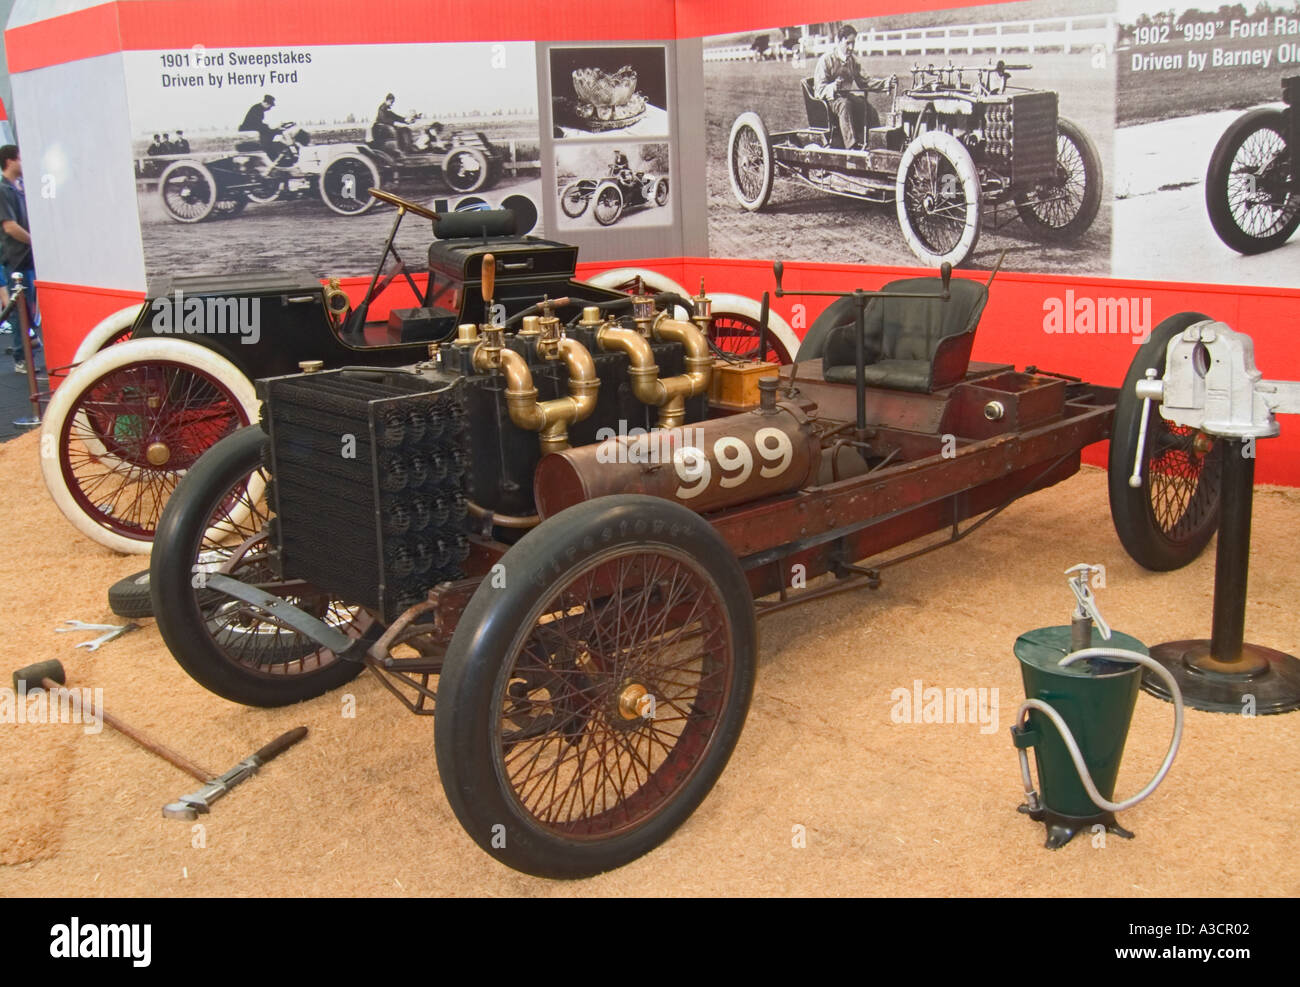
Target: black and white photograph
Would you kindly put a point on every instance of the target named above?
(613, 184)
(1208, 185)
(617, 91)
(917, 139)
(249, 158)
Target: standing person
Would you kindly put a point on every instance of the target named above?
(255, 122)
(839, 79)
(182, 145)
(16, 249)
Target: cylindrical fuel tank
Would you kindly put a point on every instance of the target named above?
(707, 466)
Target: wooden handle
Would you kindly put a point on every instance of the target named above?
(489, 277)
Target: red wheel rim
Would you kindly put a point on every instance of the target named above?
(570, 747)
(138, 413)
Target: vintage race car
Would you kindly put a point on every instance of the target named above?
(1252, 186)
(557, 531)
(613, 195)
(954, 143)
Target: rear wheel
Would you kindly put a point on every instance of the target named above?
(608, 203)
(188, 190)
(661, 192)
(735, 331)
(1065, 207)
(750, 168)
(1167, 521)
(265, 193)
(217, 522)
(574, 201)
(126, 425)
(587, 708)
(939, 199)
(1250, 192)
(345, 183)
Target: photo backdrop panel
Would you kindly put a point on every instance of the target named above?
(1202, 185)
(216, 199)
(777, 187)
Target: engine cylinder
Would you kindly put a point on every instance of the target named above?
(706, 467)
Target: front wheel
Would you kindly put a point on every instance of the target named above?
(939, 199)
(345, 184)
(609, 203)
(466, 169)
(661, 192)
(587, 707)
(750, 167)
(1167, 521)
(1062, 209)
(217, 522)
(574, 201)
(1252, 191)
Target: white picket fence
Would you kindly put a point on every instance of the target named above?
(1064, 34)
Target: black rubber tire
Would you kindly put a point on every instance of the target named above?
(1089, 202)
(1218, 177)
(1150, 545)
(131, 597)
(494, 626)
(184, 521)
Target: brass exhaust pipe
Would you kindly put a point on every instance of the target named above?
(667, 394)
(550, 419)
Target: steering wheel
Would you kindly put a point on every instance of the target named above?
(401, 203)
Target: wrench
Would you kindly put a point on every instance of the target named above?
(112, 632)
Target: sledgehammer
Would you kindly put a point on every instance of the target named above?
(51, 676)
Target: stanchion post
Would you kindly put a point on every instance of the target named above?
(18, 292)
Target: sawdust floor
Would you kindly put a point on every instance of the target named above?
(888, 808)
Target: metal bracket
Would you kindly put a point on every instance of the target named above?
(285, 612)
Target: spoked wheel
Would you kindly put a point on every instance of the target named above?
(750, 168)
(112, 329)
(1251, 189)
(1167, 521)
(466, 169)
(574, 201)
(217, 522)
(1065, 207)
(661, 192)
(230, 206)
(124, 427)
(735, 331)
(586, 709)
(938, 198)
(345, 184)
(188, 191)
(609, 203)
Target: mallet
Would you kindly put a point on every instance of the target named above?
(51, 676)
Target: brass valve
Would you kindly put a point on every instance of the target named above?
(591, 318)
(703, 305)
(643, 313)
(467, 332)
(530, 326)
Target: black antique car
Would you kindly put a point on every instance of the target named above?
(1252, 186)
(613, 195)
(955, 142)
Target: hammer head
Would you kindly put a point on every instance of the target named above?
(33, 675)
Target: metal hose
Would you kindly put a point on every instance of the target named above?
(1118, 654)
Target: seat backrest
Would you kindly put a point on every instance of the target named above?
(819, 115)
(913, 330)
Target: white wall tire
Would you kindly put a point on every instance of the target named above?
(105, 331)
(624, 279)
(783, 339)
(132, 390)
(939, 199)
(750, 165)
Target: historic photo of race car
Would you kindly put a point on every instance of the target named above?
(555, 530)
(1252, 186)
(465, 160)
(955, 142)
(614, 195)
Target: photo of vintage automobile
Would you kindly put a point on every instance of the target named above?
(146, 397)
(552, 537)
(613, 196)
(194, 188)
(956, 146)
(1252, 186)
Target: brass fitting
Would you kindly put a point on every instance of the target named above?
(467, 332)
(590, 317)
(643, 313)
(703, 305)
(530, 326)
(668, 395)
(551, 419)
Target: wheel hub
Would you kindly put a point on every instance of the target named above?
(635, 702)
(158, 454)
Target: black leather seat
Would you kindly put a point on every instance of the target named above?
(819, 113)
(248, 147)
(911, 344)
